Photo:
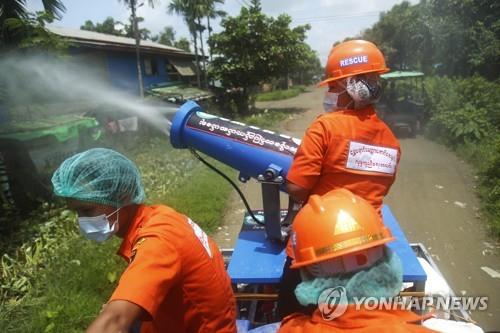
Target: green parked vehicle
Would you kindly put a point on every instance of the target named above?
(401, 105)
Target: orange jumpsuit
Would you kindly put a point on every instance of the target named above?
(356, 321)
(350, 149)
(176, 274)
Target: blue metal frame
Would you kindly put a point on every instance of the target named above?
(257, 260)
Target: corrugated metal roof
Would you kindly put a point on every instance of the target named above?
(100, 39)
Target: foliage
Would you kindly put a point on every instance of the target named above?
(21, 268)
(253, 48)
(466, 124)
(399, 34)
(17, 24)
(485, 157)
(280, 94)
(462, 110)
(144, 34)
(167, 37)
(74, 277)
(464, 115)
(30, 31)
(167, 177)
(110, 26)
(460, 39)
(17, 9)
(307, 68)
(490, 181)
(450, 37)
(183, 44)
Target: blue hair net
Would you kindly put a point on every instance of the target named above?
(384, 279)
(101, 176)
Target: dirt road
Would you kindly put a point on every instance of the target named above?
(433, 200)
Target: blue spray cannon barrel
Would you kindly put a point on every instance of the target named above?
(248, 149)
(254, 152)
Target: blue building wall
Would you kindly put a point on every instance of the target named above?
(4, 117)
(123, 72)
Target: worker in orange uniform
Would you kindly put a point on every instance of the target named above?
(346, 147)
(175, 280)
(339, 246)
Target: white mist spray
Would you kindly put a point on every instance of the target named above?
(28, 79)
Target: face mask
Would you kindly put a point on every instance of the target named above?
(330, 101)
(363, 90)
(97, 228)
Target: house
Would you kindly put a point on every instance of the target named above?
(113, 59)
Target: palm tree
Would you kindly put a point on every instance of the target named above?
(188, 9)
(16, 10)
(193, 12)
(212, 13)
(200, 27)
(133, 5)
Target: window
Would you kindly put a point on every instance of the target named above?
(173, 74)
(150, 67)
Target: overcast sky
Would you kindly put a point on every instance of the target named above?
(330, 20)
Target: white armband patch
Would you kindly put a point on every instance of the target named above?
(372, 158)
(202, 236)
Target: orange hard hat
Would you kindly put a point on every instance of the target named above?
(334, 225)
(352, 58)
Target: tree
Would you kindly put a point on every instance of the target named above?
(193, 12)
(254, 48)
(308, 67)
(34, 34)
(183, 44)
(144, 34)
(188, 9)
(289, 45)
(211, 12)
(13, 12)
(133, 5)
(166, 37)
(448, 37)
(108, 26)
(206, 8)
(466, 35)
(398, 35)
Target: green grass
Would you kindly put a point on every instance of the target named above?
(69, 291)
(485, 158)
(270, 118)
(277, 95)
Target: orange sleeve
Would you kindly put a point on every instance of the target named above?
(308, 161)
(155, 267)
